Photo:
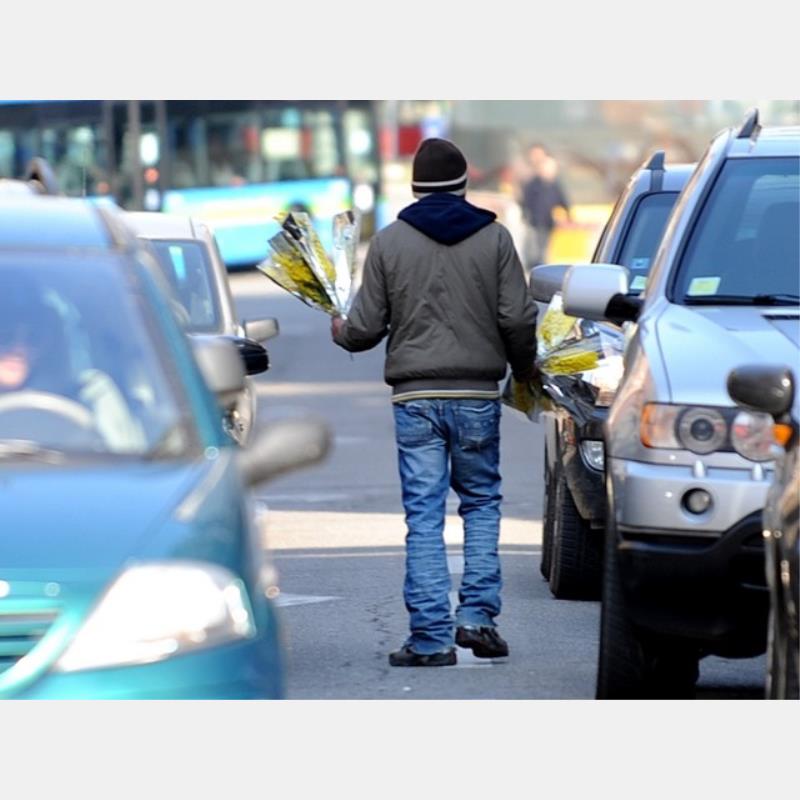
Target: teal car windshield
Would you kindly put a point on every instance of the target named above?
(80, 370)
(745, 246)
(187, 268)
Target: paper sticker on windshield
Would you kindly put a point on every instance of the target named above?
(638, 283)
(701, 286)
(640, 263)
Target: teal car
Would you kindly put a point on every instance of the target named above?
(130, 566)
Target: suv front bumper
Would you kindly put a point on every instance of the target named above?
(649, 497)
(687, 578)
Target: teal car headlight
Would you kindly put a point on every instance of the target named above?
(157, 610)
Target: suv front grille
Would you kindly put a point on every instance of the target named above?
(20, 632)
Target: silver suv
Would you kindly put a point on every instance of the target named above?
(687, 473)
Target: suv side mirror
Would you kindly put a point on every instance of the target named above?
(259, 330)
(284, 446)
(763, 388)
(589, 291)
(547, 279)
(221, 367)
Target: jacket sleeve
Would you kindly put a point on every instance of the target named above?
(516, 311)
(368, 320)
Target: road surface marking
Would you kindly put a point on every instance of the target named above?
(307, 497)
(455, 563)
(300, 599)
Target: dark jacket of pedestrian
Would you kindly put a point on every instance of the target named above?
(539, 198)
(445, 283)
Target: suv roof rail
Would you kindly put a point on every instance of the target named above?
(656, 160)
(41, 174)
(750, 126)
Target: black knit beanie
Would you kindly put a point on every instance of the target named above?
(439, 166)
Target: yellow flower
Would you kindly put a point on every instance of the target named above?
(570, 360)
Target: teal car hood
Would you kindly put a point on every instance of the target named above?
(89, 519)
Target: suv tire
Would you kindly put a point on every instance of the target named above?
(575, 568)
(548, 507)
(630, 665)
(782, 683)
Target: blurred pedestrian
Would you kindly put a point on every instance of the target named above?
(541, 194)
(445, 283)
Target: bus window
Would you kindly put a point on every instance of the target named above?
(296, 145)
(186, 143)
(8, 152)
(74, 152)
(232, 148)
(324, 152)
(360, 146)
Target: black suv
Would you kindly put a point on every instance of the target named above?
(574, 508)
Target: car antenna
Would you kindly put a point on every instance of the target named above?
(656, 167)
(750, 126)
(656, 160)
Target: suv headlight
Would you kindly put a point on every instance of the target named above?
(157, 610)
(593, 453)
(704, 430)
(752, 436)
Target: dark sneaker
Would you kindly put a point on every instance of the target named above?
(484, 641)
(406, 657)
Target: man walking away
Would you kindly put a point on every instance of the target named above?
(540, 196)
(446, 285)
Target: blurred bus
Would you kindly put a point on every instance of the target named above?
(232, 163)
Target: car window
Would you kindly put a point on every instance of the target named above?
(187, 267)
(81, 363)
(644, 235)
(746, 242)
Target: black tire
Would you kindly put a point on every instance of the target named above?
(792, 683)
(782, 683)
(548, 507)
(632, 665)
(576, 550)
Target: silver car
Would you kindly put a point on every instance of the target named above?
(687, 472)
(190, 259)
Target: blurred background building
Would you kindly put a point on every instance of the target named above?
(238, 163)
(597, 145)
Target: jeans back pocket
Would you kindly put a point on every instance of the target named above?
(478, 423)
(412, 425)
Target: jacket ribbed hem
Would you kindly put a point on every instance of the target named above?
(453, 388)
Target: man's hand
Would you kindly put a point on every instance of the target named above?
(532, 375)
(337, 323)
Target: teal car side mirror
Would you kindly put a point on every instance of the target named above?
(282, 447)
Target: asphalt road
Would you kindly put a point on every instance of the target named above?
(336, 536)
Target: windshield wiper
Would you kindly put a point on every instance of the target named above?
(778, 299)
(24, 449)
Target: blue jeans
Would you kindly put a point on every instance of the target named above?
(443, 444)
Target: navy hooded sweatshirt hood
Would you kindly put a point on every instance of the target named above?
(446, 218)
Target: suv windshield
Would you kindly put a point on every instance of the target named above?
(745, 247)
(644, 236)
(80, 370)
(187, 268)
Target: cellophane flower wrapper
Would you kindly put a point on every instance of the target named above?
(346, 235)
(287, 267)
(299, 264)
(565, 345)
(299, 227)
